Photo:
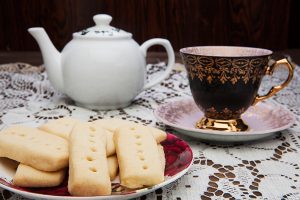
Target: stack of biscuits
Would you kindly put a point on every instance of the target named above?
(94, 152)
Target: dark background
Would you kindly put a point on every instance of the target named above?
(269, 24)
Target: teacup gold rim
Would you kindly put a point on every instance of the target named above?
(187, 51)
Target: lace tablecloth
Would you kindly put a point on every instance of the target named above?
(267, 169)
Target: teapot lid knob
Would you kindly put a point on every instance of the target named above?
(102, 19)
(102, 30)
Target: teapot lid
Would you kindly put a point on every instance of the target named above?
(102, 29)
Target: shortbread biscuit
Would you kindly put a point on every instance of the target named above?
(112, 163)
(110, 146)
(162, 156)
(159, 135)
(33, 147)
(27, 176)
(113, 124)
(88, 170)
(61, 127)
(138, 157)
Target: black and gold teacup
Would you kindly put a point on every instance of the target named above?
(224, 82)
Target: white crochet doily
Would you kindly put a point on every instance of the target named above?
(267, 169)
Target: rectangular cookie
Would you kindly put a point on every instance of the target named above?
(88, 168)
(110, 146)
(33, 147)
(113, 124)
(159, 135)
(61, 127)
(138, 157)
(113, 166)
(27, 176)
(162, 156)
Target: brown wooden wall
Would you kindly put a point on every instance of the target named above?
(259, 23)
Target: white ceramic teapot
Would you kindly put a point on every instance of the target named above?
(102, 67)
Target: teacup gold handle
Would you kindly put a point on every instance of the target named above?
(276, 89)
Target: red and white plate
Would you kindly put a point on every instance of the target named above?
(179, 157)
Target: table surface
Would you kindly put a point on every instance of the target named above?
(264, 169)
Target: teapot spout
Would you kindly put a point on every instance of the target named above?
(51, 57)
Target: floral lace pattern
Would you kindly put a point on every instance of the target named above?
(266, 169)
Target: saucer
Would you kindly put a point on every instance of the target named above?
(264, 119)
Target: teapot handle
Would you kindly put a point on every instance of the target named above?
(171, 59)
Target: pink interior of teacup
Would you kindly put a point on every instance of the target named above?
(226, 51)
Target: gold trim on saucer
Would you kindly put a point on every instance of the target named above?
(231, 125)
